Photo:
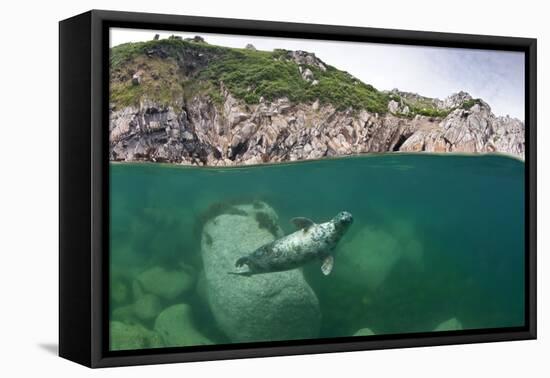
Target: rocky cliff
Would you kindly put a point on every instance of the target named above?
(185, 101)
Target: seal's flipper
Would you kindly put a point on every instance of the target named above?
(245, 274)
(328, 263)
(302, 223)
(242, 261)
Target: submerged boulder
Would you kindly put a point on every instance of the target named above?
(147, 307)
(132, 336)
(452, 324)
(271, 306)
(364, 332)
(368, 257)
(119, 291)
(176, 327)
(125, 314)
(167, 284)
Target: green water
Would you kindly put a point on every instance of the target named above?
(434, 237)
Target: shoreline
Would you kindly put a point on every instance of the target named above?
(304, 161)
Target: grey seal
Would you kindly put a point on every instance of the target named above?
(311, 241)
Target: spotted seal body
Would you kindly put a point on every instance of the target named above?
(311, 241)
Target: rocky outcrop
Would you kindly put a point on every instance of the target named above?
(454, 101)
(304, 58)
(152, 132)
(474, 130)
(204, 133)
(275, 306)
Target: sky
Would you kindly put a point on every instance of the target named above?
(495, 76)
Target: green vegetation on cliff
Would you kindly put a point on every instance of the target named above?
(159, 65)
(469, 103)
(172, 70)
(250, 75)
(159, 81)
(419, 105)
(170, 47)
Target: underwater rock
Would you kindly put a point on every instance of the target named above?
(135, 336)
(124, 314)
(364, 332)
(176, 327)
(164, 283)
(118, 291)
(137, 290)
(272, 306)
(452, 324)
(370, 254)
(147, 307)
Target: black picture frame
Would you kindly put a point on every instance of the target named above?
(84, 187)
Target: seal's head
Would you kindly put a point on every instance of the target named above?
(343, 220)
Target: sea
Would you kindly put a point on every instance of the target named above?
(435, 238)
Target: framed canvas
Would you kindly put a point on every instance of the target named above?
(236, 188)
